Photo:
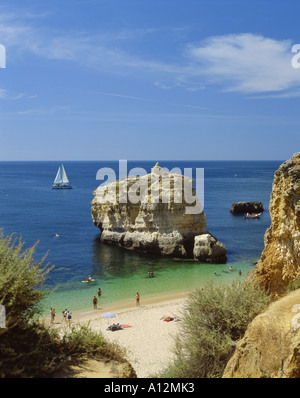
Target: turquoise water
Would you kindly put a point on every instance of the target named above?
(61, 222)
(171, 277)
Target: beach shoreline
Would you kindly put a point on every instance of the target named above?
(88, 312)
(148, 340)
(127, 305)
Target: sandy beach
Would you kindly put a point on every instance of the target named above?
(147, 338)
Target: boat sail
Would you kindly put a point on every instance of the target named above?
(61, 180)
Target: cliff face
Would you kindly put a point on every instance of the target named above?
(157, 217)
(280, 259)
(271, 344)
(270, 347)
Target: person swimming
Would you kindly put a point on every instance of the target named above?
(150, 274)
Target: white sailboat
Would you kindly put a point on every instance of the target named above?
(61, 180)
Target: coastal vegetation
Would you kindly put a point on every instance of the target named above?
(29, 348)
(214, 319)
(293, 285)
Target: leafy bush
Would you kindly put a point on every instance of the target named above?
(213, 320)
(23, 342)
(21, 281)
(27, 347)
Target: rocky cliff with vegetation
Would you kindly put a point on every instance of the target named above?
(271, 344)
(280, 260)
(161, 214)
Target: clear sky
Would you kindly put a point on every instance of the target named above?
(149, 80)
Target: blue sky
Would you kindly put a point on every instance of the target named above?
(149, 79)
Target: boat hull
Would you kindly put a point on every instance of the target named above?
(61, 187)
(249, 216)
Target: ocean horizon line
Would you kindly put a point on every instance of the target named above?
(143, 160)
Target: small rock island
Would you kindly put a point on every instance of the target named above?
(156, 217)
(246, 207)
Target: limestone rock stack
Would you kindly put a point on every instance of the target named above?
(156, 213)
(280, 259)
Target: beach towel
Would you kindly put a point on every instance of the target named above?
(168, 318)
(171, 319)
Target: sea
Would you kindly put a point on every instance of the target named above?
(60, 221)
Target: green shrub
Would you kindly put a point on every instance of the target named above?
(21, 281)
(81, 339)
(213, 320)
(295, 284)
(27, 347)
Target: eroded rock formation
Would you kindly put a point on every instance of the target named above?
(280, 259)
(207, 247)
(270, 347)
(157, 213)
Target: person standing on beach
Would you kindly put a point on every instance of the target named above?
(137, 299)
(69, 318)
(51, 315)
(64, 314)
(95, 301)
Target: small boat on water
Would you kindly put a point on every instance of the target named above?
(252, 215)
(61, 180)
